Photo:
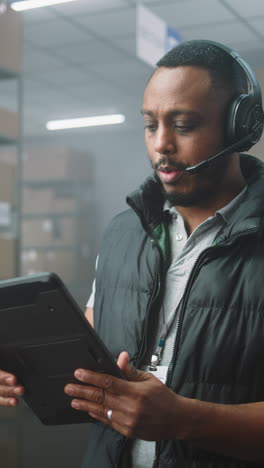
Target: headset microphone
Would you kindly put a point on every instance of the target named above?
(206, 163)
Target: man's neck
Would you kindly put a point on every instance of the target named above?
(195, 215)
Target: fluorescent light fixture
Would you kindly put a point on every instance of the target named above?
(29, 4)
(85, 122)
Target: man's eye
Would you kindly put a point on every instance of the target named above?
(151, 127)
(184, 128)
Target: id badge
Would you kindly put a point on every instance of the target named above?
(160, 372)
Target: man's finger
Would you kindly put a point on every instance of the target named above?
(8, 401)
(91, 393)
(7, 379)
(110, 383)
(97, 397)
(100, 413)
(10, 391)
(123, 360)
(96, 411)
(118, 421)
(131, 372)
(134, 375)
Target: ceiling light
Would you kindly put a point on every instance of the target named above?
(29, 4)
(85, 122)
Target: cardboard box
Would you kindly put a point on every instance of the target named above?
(10, 41)
(37, 201)
(48, 232)
(52, 164)
(8, 175)
(41, 201)
(64, 205)
(8, 257)
(37, 232)
(71, 268)
(61, 262)
(31, 262)
(9, 124)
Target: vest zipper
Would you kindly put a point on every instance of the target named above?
(143, 348)
(148, 229)
(180, 317)
(155, 294)
(179, 320)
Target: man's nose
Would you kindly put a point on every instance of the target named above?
(165, 141)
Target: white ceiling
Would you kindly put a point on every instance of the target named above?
(79, 58)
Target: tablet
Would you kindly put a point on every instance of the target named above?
(44, 337)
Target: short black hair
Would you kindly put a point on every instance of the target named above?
(222, 67)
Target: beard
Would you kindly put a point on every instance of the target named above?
(198, 195)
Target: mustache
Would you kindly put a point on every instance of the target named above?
(165, 161)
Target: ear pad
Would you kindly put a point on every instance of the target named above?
(244, 117)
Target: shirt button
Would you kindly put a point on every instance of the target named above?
(179, 237)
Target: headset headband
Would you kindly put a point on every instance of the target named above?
(245, 117)
(254, 87)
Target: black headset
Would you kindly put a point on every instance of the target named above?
(245, 117)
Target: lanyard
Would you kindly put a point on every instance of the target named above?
(156, 357)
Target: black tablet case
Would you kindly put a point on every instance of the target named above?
(44, 337)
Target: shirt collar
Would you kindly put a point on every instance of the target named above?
(225, 213)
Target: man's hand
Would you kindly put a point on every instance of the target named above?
(142, 407)
(9, 389)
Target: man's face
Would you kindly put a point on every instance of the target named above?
(184, 124)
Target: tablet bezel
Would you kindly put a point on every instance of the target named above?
(33, 345)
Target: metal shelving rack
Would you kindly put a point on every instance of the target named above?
(78, 190)
(12, 72)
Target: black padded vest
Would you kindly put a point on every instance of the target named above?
(220, 339)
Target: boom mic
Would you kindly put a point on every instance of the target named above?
(204, 164)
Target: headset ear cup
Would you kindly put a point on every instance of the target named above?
(243, 115)
(234, 124)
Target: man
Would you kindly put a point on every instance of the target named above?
(179, 286)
